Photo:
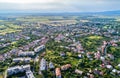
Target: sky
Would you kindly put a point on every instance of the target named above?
(59, 5)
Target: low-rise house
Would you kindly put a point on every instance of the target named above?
(29, 74)
(110, 56)
(102, 65)
(58, 73)
(118, 72)
(101, 73)
(51, 66)
(89, 54)
(91, 76)
(79, 56)
(109, 66)
(62, 54)
(2, 58)
(78, 71)
(39, 48)
(97, 55)
(119, 65)
(102, 58)
(114, 71)
(59, 37)
(65, 67)
(96, 71)
(43, 64)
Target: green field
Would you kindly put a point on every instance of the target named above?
(95, 37)
(9, 28)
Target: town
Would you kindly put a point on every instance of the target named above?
(59, 47)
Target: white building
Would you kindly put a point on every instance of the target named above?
(27, 53)
(29, 74)
(51, 66)
(39, 48)
(78, 71)
(17, 69)
(26, 60)
(43, 64)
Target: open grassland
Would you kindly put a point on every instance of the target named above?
(91, 43)
(52, 20)
(95, 37)
(56, 58)
(9, 28)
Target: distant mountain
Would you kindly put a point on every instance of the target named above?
(116, 12)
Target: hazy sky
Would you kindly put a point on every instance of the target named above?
(59, 5)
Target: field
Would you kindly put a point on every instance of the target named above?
(51, 20)
(95, 37)
(91, 43)
(9, 28)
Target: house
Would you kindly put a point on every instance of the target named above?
(102, 58)
(2, 58)
(118, 72)
(43, 64)
(114, 71)
(29, 74)
(51, 66)
(91, 76)
(39, 48)
(96, 71)
(109, 66)
(119, 65)
(15, 51)
(58, 73)
(79, 56)
(59, 37)
(110, 56)
(102, 65)
(65, 67)
(103, 49)
(62, 54)
(78, 71)
(89, 54)
(97, 55)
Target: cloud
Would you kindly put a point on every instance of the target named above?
(60, 5)
(26, 1)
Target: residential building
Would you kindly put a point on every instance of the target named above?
(39, 48)
(27, 53)
(65, 67)
(26, 60)
(17, 69)
(29, 74)
(78, 71)
(43, 64)
(51, 66)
